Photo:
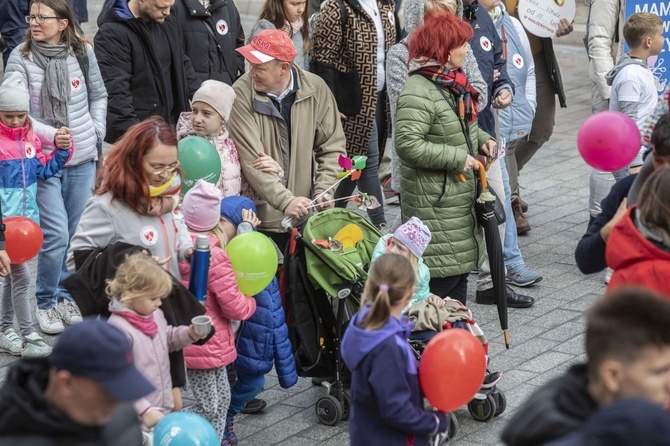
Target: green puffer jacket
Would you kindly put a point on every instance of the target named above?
(432, 150)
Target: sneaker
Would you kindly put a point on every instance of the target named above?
(608, 275)
(522, 276)
(50, 321)
(491, 379)
(10, 342)
(35, 347)
(69, 312)
(229, 437)
(254, 406)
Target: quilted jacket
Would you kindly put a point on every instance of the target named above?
(432, 149)
(224, 302)
(87, 110)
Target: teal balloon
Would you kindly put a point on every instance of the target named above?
(198, 160)
(185, 429)
(253, 257)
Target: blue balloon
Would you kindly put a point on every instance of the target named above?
(185, 429)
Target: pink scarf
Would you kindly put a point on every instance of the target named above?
(145, 324)
(293, 28)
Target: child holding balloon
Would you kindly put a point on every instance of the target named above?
(22, 163)
(386, 399)
(206, 364)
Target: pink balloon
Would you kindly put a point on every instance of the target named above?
(609, 141)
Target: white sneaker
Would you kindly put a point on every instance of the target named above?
(50, 321)
(608, 275)
(35, 347)
(69, 312)
(10, 342)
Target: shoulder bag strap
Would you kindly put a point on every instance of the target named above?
(464, 128)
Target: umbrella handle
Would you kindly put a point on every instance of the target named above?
(482, 176)
(461, 178)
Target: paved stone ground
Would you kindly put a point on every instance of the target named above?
(546, 338)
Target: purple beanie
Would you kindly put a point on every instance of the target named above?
(202, 206)
(414, 235)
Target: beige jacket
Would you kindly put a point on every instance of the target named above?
(317, 140)
(605, 40)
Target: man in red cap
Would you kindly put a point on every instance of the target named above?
(291, 116)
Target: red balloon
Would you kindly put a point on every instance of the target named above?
(609, 141)
(23, 239)
(452, 369)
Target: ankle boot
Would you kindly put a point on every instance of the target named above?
(522, 225)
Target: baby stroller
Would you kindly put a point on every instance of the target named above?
(489, 401)
(324, 272)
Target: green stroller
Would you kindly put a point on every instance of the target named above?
(324, 272)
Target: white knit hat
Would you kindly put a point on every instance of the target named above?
(14, 94)
(217, 95)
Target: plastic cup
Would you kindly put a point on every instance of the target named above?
(202, 325)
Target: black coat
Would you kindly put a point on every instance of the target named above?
(210, 38)
(132, 73)
(28, 419)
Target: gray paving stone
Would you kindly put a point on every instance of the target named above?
(545, 361)
(574, 346)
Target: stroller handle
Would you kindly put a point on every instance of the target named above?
(482, 175)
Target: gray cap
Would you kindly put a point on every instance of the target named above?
(14, 94)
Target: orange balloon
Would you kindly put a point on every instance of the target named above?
(452, 369)
(23, 239)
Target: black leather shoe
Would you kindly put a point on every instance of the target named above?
(254, 406)
(514, 300)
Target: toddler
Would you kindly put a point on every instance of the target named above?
(22, 163)
(136, 292)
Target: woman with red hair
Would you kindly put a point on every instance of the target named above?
(437, 138)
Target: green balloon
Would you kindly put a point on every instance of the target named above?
(198, 159)
(254, 260)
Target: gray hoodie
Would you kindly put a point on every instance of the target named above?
(629, 108)
(397, 74)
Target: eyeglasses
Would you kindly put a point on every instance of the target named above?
(160, 170)
(40, 19)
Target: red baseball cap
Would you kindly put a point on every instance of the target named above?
(269, 45)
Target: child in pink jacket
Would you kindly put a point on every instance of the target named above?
(136, 292)
(206, 364)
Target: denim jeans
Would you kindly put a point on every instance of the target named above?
(245, 389)
(511, 251)
(61, 200)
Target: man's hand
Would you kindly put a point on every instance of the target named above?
(5, 267)
(324, 202)
(607, 229)
(298, 208)
(564, 28)
(151, 417)
(502, 99)
(490, 148)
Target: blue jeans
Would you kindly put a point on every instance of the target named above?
(511, 251)
(61, 200)
(245, 389)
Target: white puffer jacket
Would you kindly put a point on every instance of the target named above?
(87, 122)
(604, 40)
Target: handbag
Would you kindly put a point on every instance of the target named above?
(499, 209)
(346, 86)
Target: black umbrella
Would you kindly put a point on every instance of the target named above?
(489, 221)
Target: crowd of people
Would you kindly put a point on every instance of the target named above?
(459, 87)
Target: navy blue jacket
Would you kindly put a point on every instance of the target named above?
(386, 400)
(12, 24)
(487, 48)
(263, 339)
(590, 252)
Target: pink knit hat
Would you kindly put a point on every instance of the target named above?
(202, 206)
(414, 235)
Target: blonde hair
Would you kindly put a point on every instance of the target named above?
(138, 276)
(440, 5)
(390, 279)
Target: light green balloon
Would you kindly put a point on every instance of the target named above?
(198, 160)
(254, 260)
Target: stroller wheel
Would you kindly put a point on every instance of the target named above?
(453, 426)
(483, 410)
(345, 403)
(328, 410)
(501, 402)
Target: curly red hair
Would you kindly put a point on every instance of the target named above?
(123, 174)
(440, 34)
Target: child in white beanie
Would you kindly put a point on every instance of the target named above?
(206, 364)
(210, 111)
(22, 163)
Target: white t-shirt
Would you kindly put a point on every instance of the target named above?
(635, 83)
(370, 6)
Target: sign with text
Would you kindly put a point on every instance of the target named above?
(541, 17)
(658, 64)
